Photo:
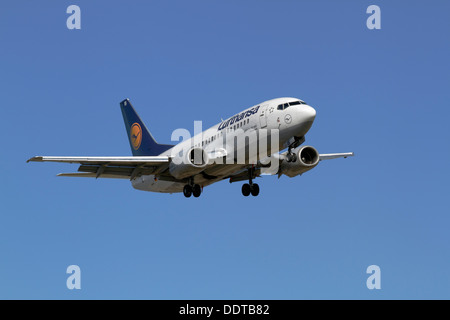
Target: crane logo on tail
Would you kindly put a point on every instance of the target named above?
(136, 135)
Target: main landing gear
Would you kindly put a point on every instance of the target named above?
(192, 189)
(250, 188)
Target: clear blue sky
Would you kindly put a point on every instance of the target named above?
(383, 94)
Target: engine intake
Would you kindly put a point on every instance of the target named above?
(307, 159)
(188, 164)
(308, 156)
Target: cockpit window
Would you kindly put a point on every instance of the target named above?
(294, 103)
(286, 105)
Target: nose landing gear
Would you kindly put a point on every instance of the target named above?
(294, 142)
(290, 156)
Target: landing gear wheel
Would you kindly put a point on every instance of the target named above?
(196, 190)
(294, 157)
(254, 189)
(246, 189)
(187, 191)
(289, 157)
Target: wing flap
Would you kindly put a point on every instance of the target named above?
(91, 175)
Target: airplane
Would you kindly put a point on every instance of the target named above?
(211, 155)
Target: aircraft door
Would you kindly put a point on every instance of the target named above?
(263, 116)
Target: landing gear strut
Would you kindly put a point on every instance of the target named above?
(192, 189)
(290, 156)
(250, 188)
(294, 143)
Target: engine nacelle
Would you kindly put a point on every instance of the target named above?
(188, 164)
(307, 159)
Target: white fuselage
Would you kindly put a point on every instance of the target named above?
(291, 121)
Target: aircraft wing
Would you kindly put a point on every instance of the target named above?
(329, 156)
(110, 167)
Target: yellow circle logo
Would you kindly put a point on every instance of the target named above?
(136, 135)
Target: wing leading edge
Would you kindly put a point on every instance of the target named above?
(110, 167)
(328, 156)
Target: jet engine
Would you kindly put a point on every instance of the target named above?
(307, 158)
(186, 164)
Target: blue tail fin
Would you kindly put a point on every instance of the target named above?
(141, 140)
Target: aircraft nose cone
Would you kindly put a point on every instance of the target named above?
(309, 113)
